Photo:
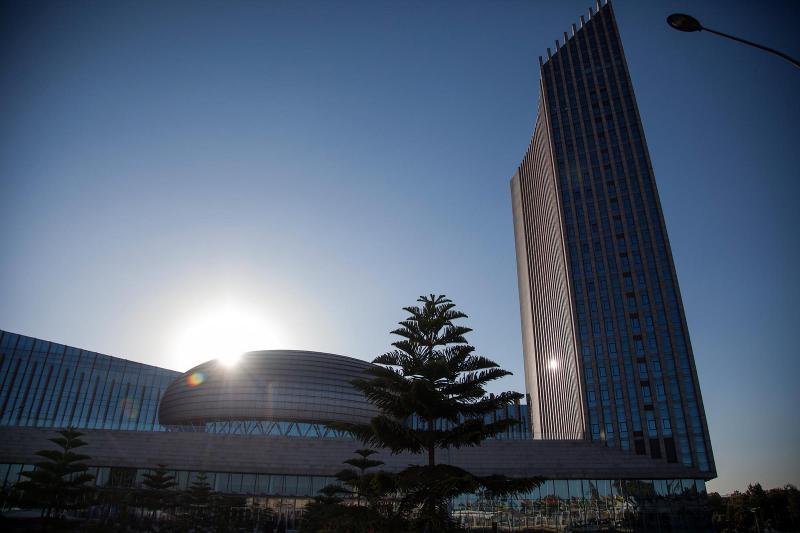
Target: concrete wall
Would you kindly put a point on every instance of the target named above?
(554, 459)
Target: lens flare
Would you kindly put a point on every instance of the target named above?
(231, 360)
(129, 409)
(195, 379)
(224, 333)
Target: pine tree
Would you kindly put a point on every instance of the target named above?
(434, 377)
(359, 481)
(329, 512)
(159, 479)
(157, 484)
(199, 490)
(61, 480)
(202, 504)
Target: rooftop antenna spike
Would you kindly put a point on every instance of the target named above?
(574, 30)
(549, 54)
(566, 37)
(590, 13)
(583, 21)
(557, 46)
(541, 61)
(597, 3)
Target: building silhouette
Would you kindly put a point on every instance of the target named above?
(606, 346)
(265, 429)
(614, 420)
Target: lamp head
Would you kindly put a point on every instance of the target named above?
(684, 22)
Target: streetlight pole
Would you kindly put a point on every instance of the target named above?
(687, 23)
(754, 510)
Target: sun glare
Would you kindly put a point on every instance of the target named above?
(223, 333)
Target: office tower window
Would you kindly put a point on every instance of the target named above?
(596, 276)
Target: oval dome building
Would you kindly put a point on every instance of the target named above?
(272, 385)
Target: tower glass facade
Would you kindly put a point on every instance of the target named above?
(604, 333)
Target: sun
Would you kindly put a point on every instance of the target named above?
(223, 332)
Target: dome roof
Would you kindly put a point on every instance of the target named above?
(284, 385)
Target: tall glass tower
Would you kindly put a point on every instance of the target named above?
(607, 351)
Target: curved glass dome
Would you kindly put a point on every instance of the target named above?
(277, 385)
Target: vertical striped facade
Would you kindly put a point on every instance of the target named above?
(551, 367)
(586, 187)
(45, 384)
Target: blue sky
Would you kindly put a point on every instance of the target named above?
(322, 164)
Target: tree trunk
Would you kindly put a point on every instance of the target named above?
(431, 503)
(432, 445)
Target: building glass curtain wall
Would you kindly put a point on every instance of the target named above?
(595, 263)
(45, 384)
(99, 393)
(557, 505)
(594, 504)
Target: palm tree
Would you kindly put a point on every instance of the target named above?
(61, 479)
(431, 393)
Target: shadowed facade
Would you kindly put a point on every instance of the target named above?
(276, 385)
(608, 365)
(605, 340)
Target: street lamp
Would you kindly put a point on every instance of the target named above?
(687, 23)
(754, 510)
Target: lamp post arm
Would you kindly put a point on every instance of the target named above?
(788, 58)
